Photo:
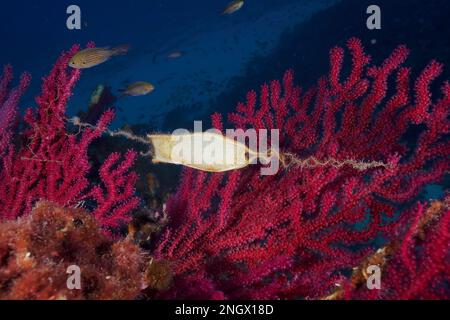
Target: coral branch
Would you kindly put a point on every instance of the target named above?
(415, 267)
(118, 200)
(8, 106)
(52, 164)
(297, 233)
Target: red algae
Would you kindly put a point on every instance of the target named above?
(36, 251)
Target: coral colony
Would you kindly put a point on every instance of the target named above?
(308, 232)
(52, 164)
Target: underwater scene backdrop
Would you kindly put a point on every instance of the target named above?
(358, 204)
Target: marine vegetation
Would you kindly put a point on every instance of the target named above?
(308, 232)
(48, 163)
(36, 251)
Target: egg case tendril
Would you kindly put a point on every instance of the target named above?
(286, 159)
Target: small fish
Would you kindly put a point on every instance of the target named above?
(91, 57)
(139, 88)
(174, 55)
(233, 6)
(97, 94)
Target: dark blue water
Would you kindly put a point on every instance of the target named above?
(34, 33)
(223, 56)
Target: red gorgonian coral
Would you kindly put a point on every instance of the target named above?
(52, 164)
(239, 235)
(299, 232)
(8, 106)
(417, 266)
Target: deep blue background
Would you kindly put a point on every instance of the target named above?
(33, 33)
